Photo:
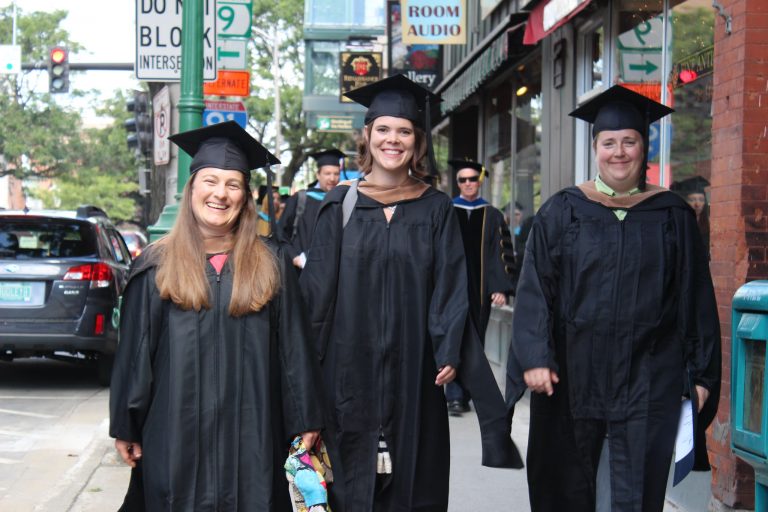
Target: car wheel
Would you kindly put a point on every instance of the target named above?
(104, 368)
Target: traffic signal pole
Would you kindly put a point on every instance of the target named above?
(190, 105)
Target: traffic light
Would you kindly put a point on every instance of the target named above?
(58, 70)
(140, 125)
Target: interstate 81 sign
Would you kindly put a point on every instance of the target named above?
(220, 111)
(158, 40)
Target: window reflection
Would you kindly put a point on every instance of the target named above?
(325, 68)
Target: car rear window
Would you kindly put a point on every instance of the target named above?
(31, 238)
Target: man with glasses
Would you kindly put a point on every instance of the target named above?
(489, 255)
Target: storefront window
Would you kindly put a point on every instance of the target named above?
(498, 142)
(324, 65)
(358, 13)
(527, 110)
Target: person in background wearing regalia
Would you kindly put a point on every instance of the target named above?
(262, 201)
(490, 259)
(615, 320)
(298, 221)
(386, 284)
(214, 373)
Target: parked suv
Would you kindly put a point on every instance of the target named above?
(61, 277)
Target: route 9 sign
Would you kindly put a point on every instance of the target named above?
(221, 111)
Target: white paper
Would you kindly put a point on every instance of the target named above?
(302, 259)
(684, 440)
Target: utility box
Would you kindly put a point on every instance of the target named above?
(749, 400)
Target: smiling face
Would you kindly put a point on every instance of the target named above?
(619, 155)
(391, 141)
(217, 199)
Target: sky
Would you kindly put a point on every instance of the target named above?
(106, 29)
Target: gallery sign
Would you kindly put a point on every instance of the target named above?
(358, 69)
(434, 21)
(421, 63)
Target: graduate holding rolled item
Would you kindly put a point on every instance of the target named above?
(386, 284)
(298, 221)
(214, 373)
(615, 314)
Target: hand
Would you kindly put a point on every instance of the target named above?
(541, 380)
(310, 438)
(445, 375)
(498, 299)
(297, 262)
(702, 393)
(130, 452)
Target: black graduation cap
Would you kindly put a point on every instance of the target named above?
(328, 157)
(223, 146)
(694, 184)
(397, 96)
(619, 108)
(459, 164)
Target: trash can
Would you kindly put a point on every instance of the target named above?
(749, 402)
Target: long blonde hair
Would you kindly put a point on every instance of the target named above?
(182, 260)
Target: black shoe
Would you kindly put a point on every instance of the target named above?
(456, 408)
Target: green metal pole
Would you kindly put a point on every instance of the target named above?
(190, 103)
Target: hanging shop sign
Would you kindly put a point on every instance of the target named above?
(358, 69)
(434, 21)
(421, 63)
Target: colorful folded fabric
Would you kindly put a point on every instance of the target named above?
(308, 473)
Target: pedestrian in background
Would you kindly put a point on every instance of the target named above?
(298, 221)
(489, 256)
(615, 320)
(264, 222)
(214, 373)
(386, 284)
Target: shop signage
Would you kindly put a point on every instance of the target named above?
(339, 124)
(158, 40)
(421, 63)
(358, 69)
(434, 21)
(229, 83)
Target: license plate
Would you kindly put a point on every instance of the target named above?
(21, 294)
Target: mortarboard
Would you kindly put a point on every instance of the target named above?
(459, 164)
(397, 96)
(223, 146)
(328, 157)
(695, 184)
(619, 108)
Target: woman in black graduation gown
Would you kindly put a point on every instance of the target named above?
(387, 293)
(615, 316)
(213, 372)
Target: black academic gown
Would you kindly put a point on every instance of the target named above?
(212, 399)
(624, 311)
(295, 245)
(389, 304)
(490, 259)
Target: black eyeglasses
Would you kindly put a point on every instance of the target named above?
(473, 179)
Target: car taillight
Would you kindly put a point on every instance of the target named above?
(98, 327)
(99, 274)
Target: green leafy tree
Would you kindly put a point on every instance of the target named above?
(284, 17)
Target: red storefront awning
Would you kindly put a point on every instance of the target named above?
(534, 29)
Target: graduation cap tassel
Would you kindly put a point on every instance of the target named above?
(271, 205)
(430, 149)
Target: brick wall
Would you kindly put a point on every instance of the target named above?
(739, 210)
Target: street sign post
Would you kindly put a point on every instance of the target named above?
(159, 38)
(229, 83)
(161, 110)
(10, 59)
(233, 18)
(230, 53)
(220, 111)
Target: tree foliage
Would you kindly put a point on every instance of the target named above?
(42, 137)
(284, 17)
